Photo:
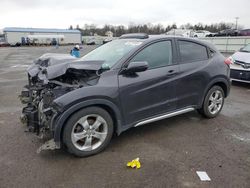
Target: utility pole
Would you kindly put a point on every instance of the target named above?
(236, 22)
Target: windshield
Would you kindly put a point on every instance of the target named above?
(246, 48)
(112, 52)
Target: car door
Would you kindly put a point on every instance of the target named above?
(193, 61)
(152, 92)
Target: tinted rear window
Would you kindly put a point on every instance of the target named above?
(190, 51)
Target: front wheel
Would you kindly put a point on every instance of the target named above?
(213, 102)
(88, 131)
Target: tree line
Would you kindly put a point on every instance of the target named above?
(91, 29)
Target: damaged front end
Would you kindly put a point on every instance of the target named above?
(51, 76)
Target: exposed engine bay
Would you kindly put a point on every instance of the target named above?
(49, 77)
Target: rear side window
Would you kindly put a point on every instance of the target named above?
(190, 51)
(157, 55)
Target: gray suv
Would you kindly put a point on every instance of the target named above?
(134, 80)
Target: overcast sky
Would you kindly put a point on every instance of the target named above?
(63, 13)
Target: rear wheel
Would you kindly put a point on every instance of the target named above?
(213, 102)
(88, 131)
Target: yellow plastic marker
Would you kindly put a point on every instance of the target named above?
(134, 163)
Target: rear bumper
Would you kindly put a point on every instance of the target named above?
(240, 75)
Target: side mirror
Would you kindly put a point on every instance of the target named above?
(138, 66)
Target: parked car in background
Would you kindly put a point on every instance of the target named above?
(106, 40)
(244, 32)
(202, 33)
(3, 43)
(18, 44)
(91, 42)
(128, 82)
(240, 65)
(181, 32)
(227, 32)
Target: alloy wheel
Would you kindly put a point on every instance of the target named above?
(89, 132)
(215, 102)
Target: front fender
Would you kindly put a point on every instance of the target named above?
(58, 123)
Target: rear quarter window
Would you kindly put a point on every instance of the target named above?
(192, 52)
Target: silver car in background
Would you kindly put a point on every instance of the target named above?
(240, 65)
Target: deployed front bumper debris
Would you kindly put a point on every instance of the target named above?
(49, 145)
(51, 76)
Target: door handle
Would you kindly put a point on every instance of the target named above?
(171, 72)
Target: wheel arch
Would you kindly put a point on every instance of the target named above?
(109, 106)
(224, 83)
(223, 86)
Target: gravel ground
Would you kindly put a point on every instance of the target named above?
(170, 151)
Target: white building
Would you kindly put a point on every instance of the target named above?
(14, 35)
(109, 34)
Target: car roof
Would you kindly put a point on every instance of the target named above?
(150, 38)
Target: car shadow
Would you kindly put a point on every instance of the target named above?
(155, 128)
(135, 134)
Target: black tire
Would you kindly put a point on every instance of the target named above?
(67, 139)
(205, 106)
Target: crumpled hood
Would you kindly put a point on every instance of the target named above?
(242, 56)
(50, 65)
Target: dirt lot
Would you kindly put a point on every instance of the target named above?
(171, 151)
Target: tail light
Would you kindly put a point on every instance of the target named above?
(229, 61)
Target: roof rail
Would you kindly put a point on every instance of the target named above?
(134, 36)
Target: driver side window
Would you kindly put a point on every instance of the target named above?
(157, 54)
